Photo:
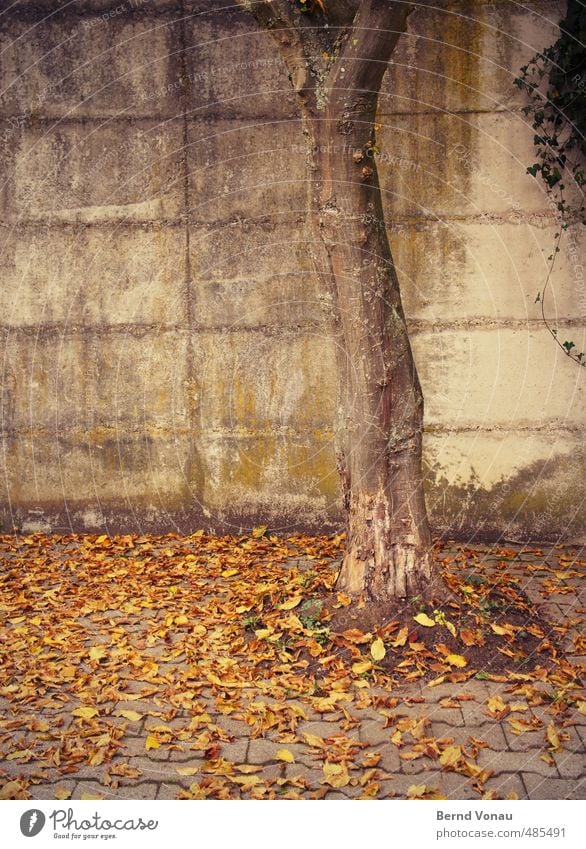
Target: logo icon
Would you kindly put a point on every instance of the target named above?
(32, 822)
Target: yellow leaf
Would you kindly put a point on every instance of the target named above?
(90, 797)
(552, 735)
(132, 715)
(519, 727)
(21, 754)
(377, 649)
(181, 620)
(336, 775)
(262, 633)
(313, 740)
(291, 603)
(229, 573)
(451, 628)
(416, 791)
(97, 758)
(401, 638)
(456, 660)
(259, 532)
(361, 666)
(423, 619)
(85, 712)
(450, 756)
(582, 707)
(285, 755)
(186, 770)
(495, 704)
(62, 793)
(10, 789)
(97, 652)
(344, 600)
(151, 742)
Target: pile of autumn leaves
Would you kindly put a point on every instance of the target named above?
(205, 625)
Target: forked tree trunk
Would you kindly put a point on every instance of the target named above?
(337, 72)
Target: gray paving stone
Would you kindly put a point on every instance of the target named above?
(525, 742)
(491, 733)
(514, 762)
(47, 791)
(415, 767)
(319, 728)
(234, 752)
(145, 790)
(450, 716)
(507, 782)
(390, 760)
(570, 765)
(262, 751)
(170, 791)
(453, 785)
(135, 746)
(374, 733)
(552, 788)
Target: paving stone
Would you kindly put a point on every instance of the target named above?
(151, 770)
(524, 742)
(513, 762)
(374, 733)
(507, 782)
(415, 767)
(390, 760)
(492, 734)
(453, 785)
(170, 791)
(145, 790)
(570, 765)
(451, 716)
(318, 727)
(47, 791)
(552, 788)
(135, 746)
(91, 788)
(263, 751)
(235, 752)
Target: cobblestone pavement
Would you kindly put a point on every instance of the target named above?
(529, 749)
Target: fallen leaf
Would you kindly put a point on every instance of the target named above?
(285, 755)
(361, 666)
(62, 793)
(450, 756)
(336, 775)
(313, 740)
(456, 660)
(97, 652)
(151, 742)
(291, 603)
(186, 770)
(553, 737)
(131, 715)
(85, 712)
(377, 649)
(423, 619)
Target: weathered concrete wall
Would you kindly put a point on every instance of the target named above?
(165, 363)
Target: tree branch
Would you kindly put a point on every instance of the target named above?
(370, 43)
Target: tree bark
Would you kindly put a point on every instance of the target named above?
(381, 404)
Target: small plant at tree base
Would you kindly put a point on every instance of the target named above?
(558, 117)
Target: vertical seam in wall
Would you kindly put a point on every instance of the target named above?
(188, 288)
(185, 168)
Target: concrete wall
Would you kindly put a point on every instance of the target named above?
(165, 365)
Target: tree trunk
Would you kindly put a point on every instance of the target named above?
(381, 403)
